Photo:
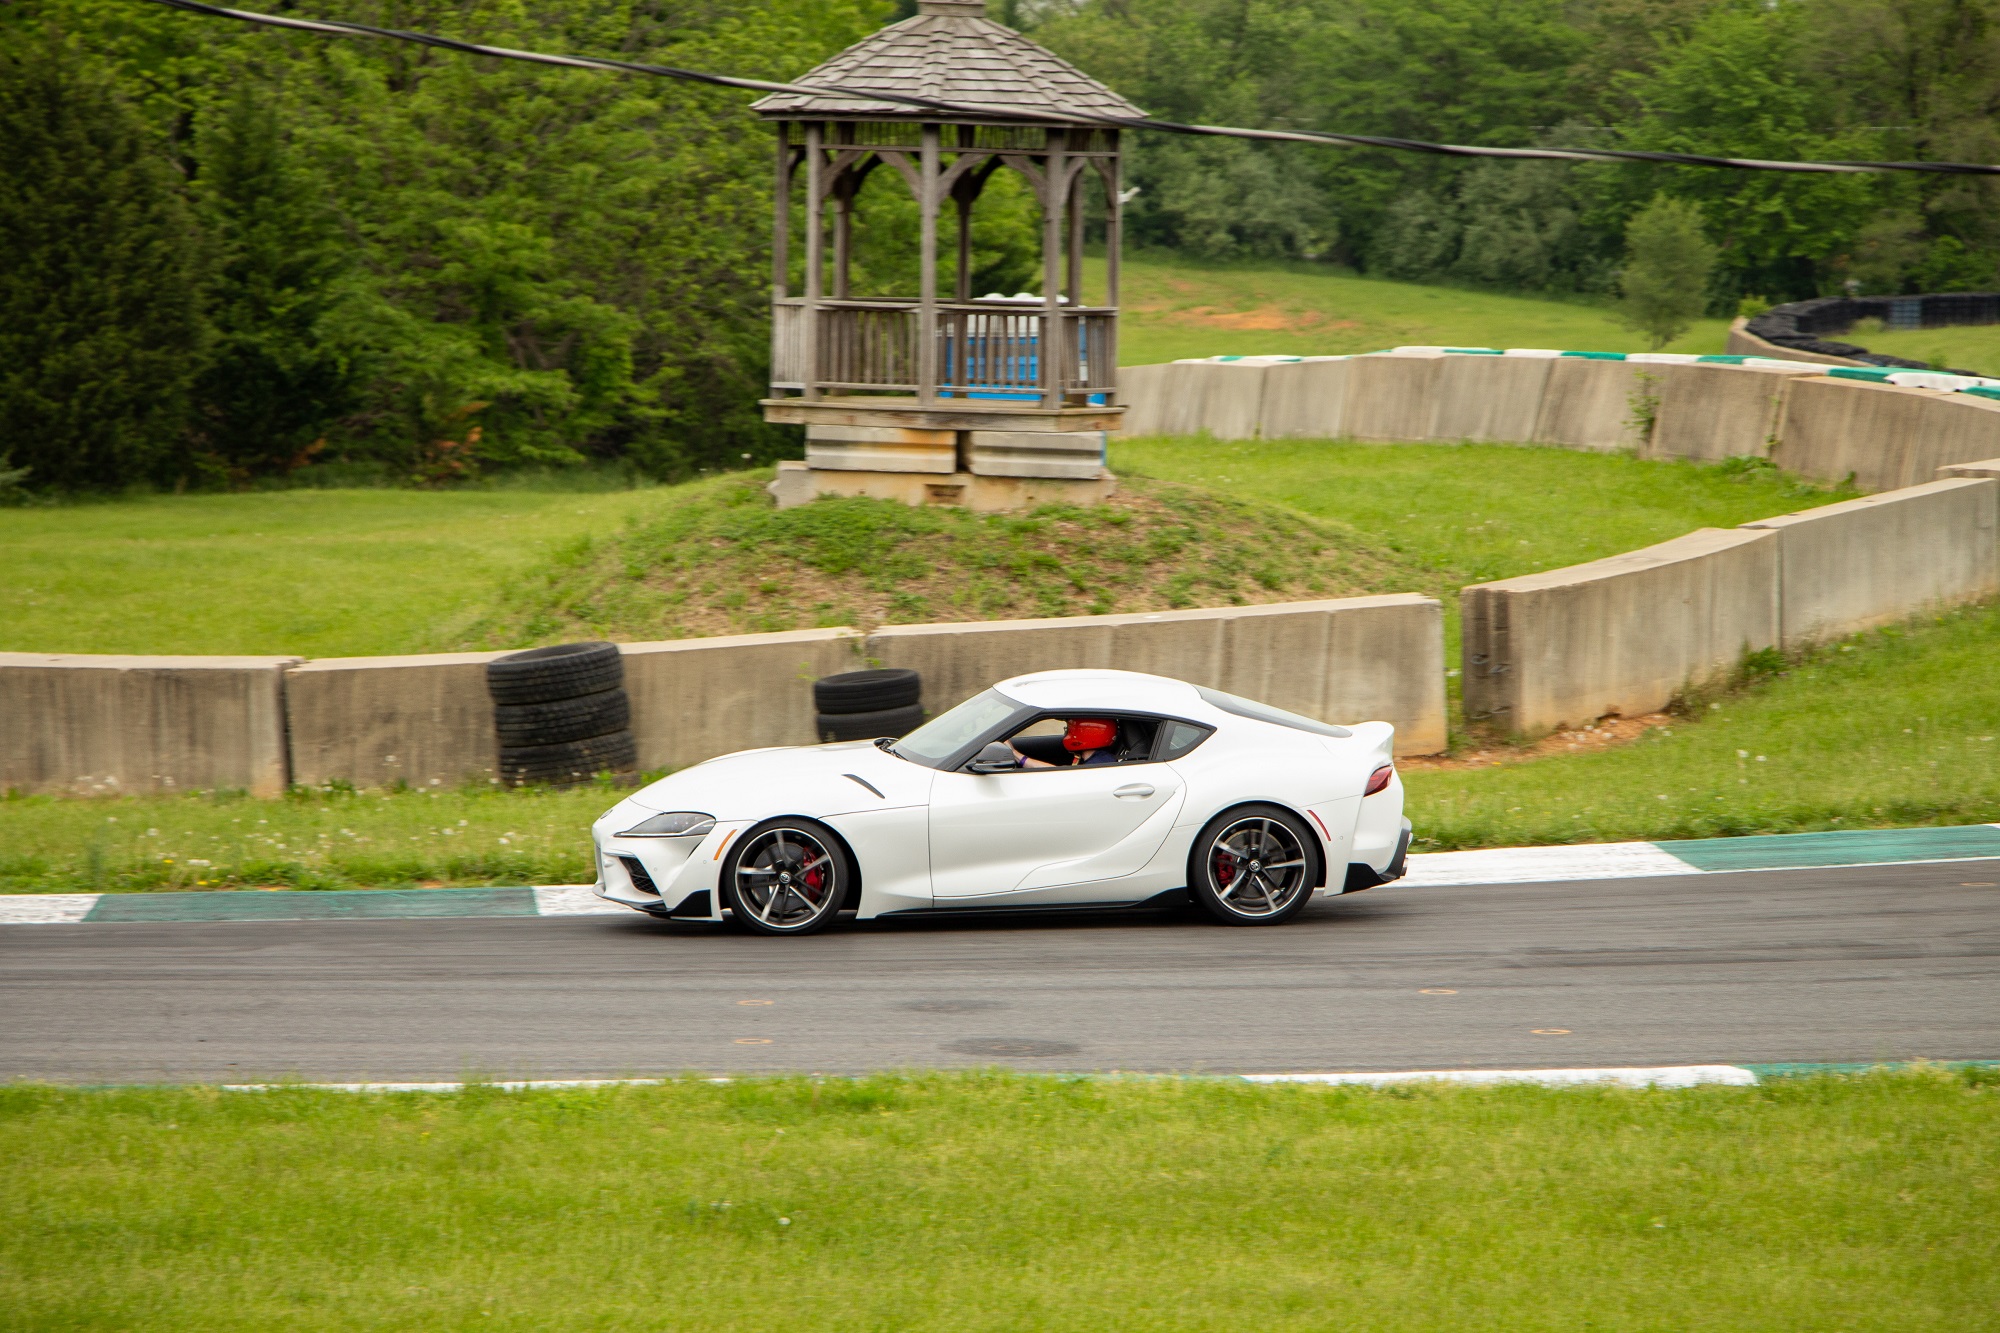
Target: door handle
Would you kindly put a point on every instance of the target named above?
(1134, 789)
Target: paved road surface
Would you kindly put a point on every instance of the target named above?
(1886, 962)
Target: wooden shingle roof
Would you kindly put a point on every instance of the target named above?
(951, 52)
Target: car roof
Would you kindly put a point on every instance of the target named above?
(1112, 691)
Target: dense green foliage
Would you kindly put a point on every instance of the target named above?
(1896, 79)
(991, 1201)
(100, 271)
(236, 254)
(392, 260)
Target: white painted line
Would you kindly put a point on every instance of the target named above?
(575, 900)
(1664, 1076)
(45, 909)
(517, 1085)
(1530, 865)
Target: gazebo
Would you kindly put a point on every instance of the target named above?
(945, 397)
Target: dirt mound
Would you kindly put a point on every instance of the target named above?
(719, 558)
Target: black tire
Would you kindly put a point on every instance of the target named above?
(564, 671)
(1230, 863)
(797, 866)
(867, 726)
(569, 763)
(867, 691)
(559, 720)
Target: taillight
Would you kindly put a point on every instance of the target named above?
(1379, 779)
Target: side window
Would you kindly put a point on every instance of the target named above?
(1182, 737)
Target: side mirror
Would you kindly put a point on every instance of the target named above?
(998, 757)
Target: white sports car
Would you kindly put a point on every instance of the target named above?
(1058, 790)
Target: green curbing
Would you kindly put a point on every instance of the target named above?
(336, 905)
(1843, 847)
(1811, 1068)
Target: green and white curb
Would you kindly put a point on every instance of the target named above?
(1642, 1076)
(1503, 865)
(1631, 860)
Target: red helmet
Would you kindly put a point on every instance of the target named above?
(1089, 733)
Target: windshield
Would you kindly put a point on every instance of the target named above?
(1250, 708)
(935, 743)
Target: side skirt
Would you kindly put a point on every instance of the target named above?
(1158, 902)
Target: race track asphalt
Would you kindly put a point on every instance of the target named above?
(1874, 963)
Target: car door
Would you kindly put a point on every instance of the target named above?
(1049, 834)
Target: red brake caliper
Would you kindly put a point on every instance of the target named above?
(815, 880)
(1225, 868)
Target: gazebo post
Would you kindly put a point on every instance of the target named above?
(815, 261)
(1048, 348)
(927, 267)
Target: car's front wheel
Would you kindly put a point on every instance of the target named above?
(786, 877)
(1255, 865)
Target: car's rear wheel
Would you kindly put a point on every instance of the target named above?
(786, 877)
(1255, 865)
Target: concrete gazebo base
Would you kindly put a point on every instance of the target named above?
(799, 482)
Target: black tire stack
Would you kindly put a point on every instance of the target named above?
(861, 705)
(562, 714)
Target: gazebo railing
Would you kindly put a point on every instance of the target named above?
(982, 349)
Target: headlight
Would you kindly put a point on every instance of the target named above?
(674, 824)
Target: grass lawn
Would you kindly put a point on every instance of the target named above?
(1468, 513)
(1975, 348)
(318, 573)
(1171, 309)
(990, 1201)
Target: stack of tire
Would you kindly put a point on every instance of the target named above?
(562, 714)
(862, 705)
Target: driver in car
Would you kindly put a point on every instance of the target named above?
(1088, 741)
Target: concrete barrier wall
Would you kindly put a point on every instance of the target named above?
(1882, 435)
(1393, 398)
(375, 721)
(133, 725)
(1346, 660)
(1304, 400)
(1709, 412)
(1624, 635)
(693, 699)
(1221, 398)
(1867, 562)
(1742, 342)
(1488, 397)
(1590, 404)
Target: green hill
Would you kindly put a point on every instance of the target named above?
(718, 558)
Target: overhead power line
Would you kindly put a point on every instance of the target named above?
(337, 28)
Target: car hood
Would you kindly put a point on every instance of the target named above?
(817, 780)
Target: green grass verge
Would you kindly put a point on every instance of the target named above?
(990, 1201)
(318, 573)
(1171, 309)
(310, 839)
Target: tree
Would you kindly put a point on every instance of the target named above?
(276, 383)
(101, 326)
(1667, 266)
